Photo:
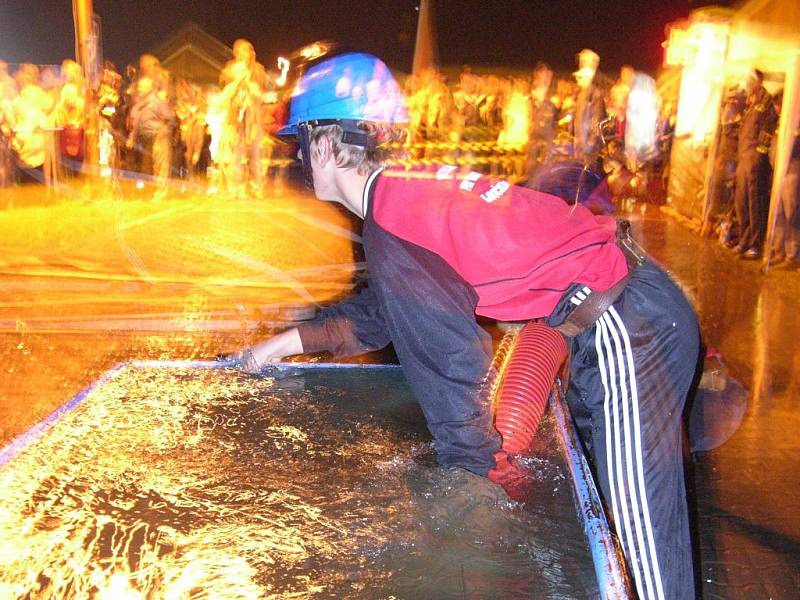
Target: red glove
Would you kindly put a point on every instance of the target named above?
(510, 476)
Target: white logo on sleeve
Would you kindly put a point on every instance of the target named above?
(469, 181)
(495, 192)
(446, 172)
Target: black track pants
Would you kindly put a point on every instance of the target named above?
(630, 374)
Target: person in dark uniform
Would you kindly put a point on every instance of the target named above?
(442, 245)
(753, 172)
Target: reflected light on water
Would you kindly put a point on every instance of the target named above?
(176, 483)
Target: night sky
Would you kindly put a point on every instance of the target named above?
(506, 32)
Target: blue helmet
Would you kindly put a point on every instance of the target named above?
(347, 87)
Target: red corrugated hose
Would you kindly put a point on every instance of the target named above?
(527, 383)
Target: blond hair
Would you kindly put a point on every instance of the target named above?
(384, 141)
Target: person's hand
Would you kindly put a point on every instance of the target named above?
(512, 477)
(257, 358)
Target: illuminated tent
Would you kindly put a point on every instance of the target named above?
(716, 47)
(194, 55)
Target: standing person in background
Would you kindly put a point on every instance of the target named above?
(152, 120)
(51, 80)
(129, 158)
(30, 120)
(618, 100)
(564, 103)
(70, 124)
(112, 120)
(786, 244)
(245, 82)
(590, 110)
(467, 98)
(515, 135)
(70, 119)
(190, 109)
(8, 91)
(753, 173)
(666, 133)
(719, 210)
(543, 116)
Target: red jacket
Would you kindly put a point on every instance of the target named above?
(520, 249)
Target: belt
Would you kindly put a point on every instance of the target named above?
(592, 308)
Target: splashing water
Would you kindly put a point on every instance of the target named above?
(177, 483)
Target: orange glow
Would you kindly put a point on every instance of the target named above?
(315, 50)
(680, 49)
(517, 121)
(283, 67)
(701, 80)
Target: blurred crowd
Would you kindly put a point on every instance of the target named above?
(146, 122)
(518, 125)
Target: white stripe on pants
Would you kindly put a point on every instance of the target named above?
(625, 465)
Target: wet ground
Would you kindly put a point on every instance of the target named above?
(747, 495)
(89, 278)
(92, 276)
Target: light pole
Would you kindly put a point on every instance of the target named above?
(82, 16)
(86, 53)
(425, 44)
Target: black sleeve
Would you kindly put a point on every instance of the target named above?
(430, 312)
(351, 327)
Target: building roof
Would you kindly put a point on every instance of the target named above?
(193, 54)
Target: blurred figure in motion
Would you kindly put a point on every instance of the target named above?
(112, 120)
(443, 245)
(514, 136)
(753, 173)
(190, 110)
(666, 134)
(31, 124)
(617, 107)
(543, 116)
(70, 122)
(467, 99)
(429, 106)
(590, 110)
(560, 168)
(244, 82)
(152, 120)
(640, 140)
(719, 210)
(786, 243)
(8, 91)
(564, 102)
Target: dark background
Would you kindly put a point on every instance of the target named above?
(513, 33)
